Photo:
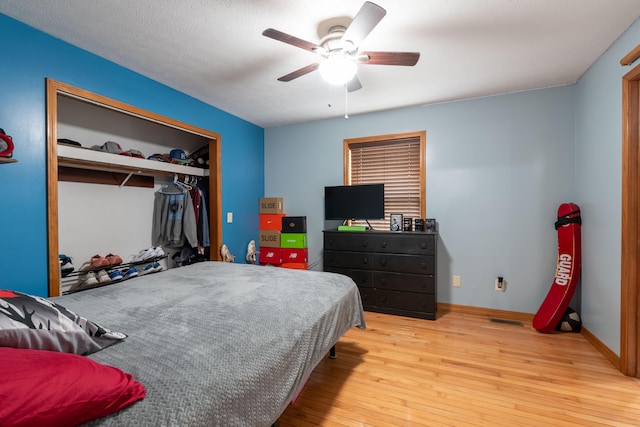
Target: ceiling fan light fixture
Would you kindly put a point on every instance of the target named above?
(338, 69)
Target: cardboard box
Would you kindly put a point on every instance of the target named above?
(295, 265)
(293, 240)
(295, 255)
(269, 239)
(272, 256)
(294, 224)
(271, 221)
(272, 205)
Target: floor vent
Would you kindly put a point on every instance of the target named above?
(508, 322)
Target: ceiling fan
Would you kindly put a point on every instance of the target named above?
(339, 49)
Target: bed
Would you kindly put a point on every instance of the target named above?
(219, 344)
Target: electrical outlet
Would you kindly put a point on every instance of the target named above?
(455, 282)
(500, 284)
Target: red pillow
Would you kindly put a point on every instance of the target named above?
(48, 388)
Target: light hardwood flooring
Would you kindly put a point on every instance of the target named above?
(463, 370)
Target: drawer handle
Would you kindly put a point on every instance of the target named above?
(383, 262)
(383, 244)
(365, 244)
(423, 245)
(423, 265)
(365, 260)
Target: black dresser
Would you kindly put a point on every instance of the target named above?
(395, 271)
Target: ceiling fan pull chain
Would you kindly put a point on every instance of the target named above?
(346, 98)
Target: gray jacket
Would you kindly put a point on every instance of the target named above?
(174, 220)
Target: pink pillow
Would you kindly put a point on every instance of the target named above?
(48, 388)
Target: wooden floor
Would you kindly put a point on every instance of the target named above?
(463, 370)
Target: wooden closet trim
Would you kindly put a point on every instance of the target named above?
(55, 88)
(630, 246)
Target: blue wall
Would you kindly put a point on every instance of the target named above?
(497, 169)
(598, 186)
(29, 56)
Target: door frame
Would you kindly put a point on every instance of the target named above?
(630, 227)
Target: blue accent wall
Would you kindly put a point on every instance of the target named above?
(28, 57)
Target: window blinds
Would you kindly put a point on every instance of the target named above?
(396, 163)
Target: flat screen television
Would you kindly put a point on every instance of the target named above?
(344, 202)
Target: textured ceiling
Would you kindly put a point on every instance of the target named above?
(214, 50)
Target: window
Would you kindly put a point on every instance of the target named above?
(397, 161)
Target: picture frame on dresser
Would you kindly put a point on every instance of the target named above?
(395, 222)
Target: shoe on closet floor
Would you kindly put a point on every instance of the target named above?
(66, 267)
(147, 269)
(98, 261)
(148, 254)
(157, 252)
(115, 275)
(114, 259)
(103, 276)
(89, 280)
(157, 267)
(142, 256)
(132, 272)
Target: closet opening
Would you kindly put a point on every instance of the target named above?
(101, 202)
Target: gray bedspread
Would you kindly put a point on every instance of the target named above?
(219, 344)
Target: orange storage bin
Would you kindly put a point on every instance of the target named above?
(271, 221)
(295, 265)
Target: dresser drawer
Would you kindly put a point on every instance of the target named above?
(406, 301)
(424, 284)
(407, 243)
(395, 271)
(355, 260)
(348, 241)
(363, 278)
(367, 297)
(417, 264)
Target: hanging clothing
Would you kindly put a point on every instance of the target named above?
(174, 220)
(202, 218)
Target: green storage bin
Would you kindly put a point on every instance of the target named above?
(293, 240)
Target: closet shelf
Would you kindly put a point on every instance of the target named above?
(85, 158)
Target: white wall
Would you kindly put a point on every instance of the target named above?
(598, 186)
(497, 169)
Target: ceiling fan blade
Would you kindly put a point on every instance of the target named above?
(294, 41)
(367, 18)
(300, 72)
(354, 84)
(389, 58)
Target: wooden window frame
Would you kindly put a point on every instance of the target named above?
(350, 143)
